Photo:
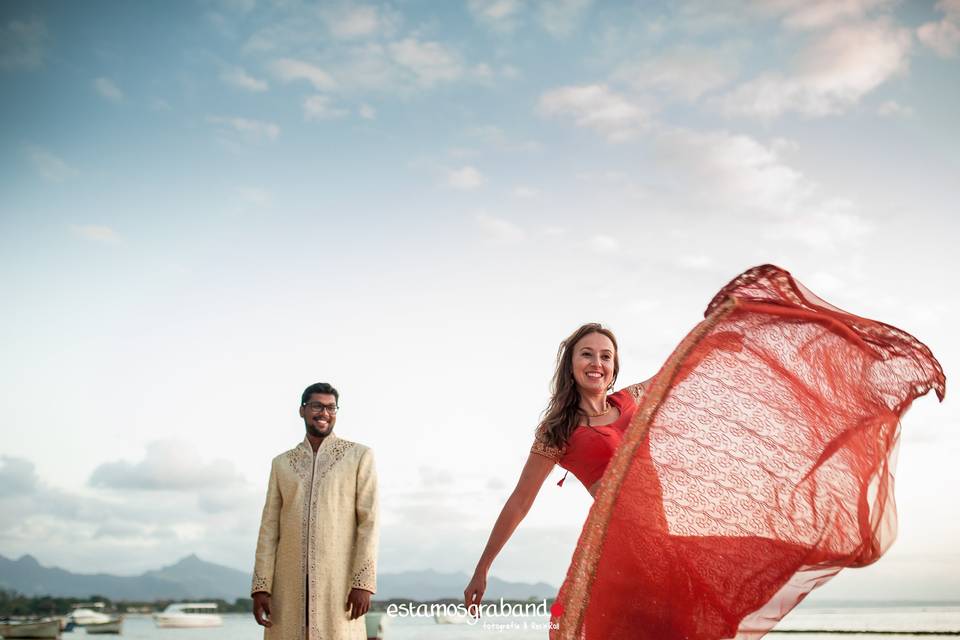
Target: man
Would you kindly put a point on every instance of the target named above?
(315, 566)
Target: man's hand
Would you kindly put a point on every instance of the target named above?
(358, 603)
(261, 608)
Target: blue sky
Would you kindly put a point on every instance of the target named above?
(205, 206)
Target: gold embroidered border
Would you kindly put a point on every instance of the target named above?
(584, 564)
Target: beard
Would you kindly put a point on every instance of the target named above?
(317, 433)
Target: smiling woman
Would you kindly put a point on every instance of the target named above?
(752, 468)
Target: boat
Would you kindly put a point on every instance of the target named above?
(114, 626)
(376, 622)
(188, 614)
(84, 616)
(451, 618)
(49, 628)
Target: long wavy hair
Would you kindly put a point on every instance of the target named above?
(563, 412)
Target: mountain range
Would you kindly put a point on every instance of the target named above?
(193, 578)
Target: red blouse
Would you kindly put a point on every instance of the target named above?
(590, 448)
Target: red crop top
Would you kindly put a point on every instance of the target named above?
(589, 450)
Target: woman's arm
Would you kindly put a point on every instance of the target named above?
(535, 471)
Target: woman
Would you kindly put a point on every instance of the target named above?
(753, 467)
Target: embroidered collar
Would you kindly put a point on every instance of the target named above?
(327, 442)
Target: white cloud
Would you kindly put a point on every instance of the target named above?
(596, 107)
(482, 71)
(827, 226)
(734, 171)
(735, 175)
(832, 75)
(239, 78)
(69, 527)
(289, 70)
(252, 130)
(367, 112)
(321, 108)
(168, 465)
(357, 49)
(685, 73)
(430, 62)
(604, 244)
(818, 14)
(499, 15)
(500, 229)
(893, 108)
(50, 166)
(108, 89)
(97, 233)
(561, 17)
(465, 178)
(23, 45)
(359, 22)
(17, 476)
(943, 36)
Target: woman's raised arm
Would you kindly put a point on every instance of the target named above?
(535, 471)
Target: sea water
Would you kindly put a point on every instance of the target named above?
(942, 621)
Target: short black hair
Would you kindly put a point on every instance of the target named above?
(319, 387)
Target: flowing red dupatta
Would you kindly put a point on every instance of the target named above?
(759, 464)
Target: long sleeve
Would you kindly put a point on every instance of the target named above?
(364, 569)
(269, 536)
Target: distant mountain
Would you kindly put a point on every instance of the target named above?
(190, 578)
(202, 578)
(193, 578)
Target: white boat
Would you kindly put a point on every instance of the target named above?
(451, 618)
(83, 616)
(376, 625)
(34, 629)
(114, 626)
(188, 614)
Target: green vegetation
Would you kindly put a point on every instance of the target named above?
(16, 604)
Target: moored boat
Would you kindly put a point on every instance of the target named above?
(451, 618)
(376, 625)
(114, 626)
(188, 614)
(84, 616)
(32, 629)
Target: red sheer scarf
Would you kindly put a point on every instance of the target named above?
(758, 465)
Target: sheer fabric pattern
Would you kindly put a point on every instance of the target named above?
(758, 464)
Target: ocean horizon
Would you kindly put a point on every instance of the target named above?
(807, 622)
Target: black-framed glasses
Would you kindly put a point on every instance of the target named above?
(318, 407)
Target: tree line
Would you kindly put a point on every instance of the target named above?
(13, 604)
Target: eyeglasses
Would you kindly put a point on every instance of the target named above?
(318, 407)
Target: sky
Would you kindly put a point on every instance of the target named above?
(207, 205)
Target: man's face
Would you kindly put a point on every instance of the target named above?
(320, 414)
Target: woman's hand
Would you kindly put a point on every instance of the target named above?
(473, 594)
(531, 479)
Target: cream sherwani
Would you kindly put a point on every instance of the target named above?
(318, 531)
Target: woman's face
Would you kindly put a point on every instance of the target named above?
(593, 363)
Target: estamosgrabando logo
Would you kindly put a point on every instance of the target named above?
(473, 614)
